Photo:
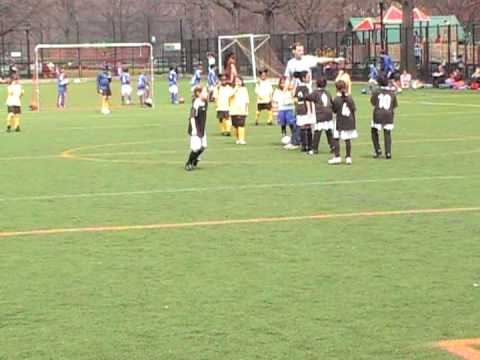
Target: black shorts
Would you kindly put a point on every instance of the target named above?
(223, 115)
(14, 110)
(106, 92)
(239, 120)
(261, 107)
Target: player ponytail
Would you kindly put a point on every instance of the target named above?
(321, 82)
(342, 89)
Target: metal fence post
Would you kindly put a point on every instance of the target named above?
(426, 67)
(474, 55)
(449, 40)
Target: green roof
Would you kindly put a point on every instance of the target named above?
(435, 24)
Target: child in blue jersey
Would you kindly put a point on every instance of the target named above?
(142, 88)
(173, 85)
(372, 78)
(197, 77)
(103, 88)
(387, 66)
(126, 88)
(212, 81)
(62, 83)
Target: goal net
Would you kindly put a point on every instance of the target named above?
(253, 53)
(81, 63)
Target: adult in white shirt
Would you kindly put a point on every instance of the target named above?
(300, 63)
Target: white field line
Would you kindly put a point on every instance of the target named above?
(74, 153)
(161, 122)
(434, 103)
(229, 187)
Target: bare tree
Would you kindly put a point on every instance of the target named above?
(15, 14)
(466, 10)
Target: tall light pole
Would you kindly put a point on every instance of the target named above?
(27, 35)
(381, 4)
(408, 54)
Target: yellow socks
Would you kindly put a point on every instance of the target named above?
(270, 116)
(228, 125)
(241, 134)
(10, 120)
(16, 122)
(105, 105)
(258, 114)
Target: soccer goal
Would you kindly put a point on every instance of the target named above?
(253, 52)
(82, 62)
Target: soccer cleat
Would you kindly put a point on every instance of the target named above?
(388, 156)
(17, 129)
(377, 155)
(256, 123)
(310, 152)
(291, 147)
(348, 160)
(335, 161)
(189, 167)
(9, 128)
(241, 142)
(270, 123)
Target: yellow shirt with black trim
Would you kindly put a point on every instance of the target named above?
(240, 101)
(14, 95)
(223, 95)
(264, 92)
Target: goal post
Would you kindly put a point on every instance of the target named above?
(254, 52)
(84, 61)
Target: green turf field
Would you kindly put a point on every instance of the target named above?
(381, 282)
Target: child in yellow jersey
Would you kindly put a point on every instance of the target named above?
(239, 110)
(264, 92)
(14, 104)
(223, 93)
(345, 77)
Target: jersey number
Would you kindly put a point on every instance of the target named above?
(346, 110)
(384, 101)
(325, 100)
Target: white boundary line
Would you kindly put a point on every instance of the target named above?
(226, 188)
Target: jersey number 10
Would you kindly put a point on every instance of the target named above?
(384, 101)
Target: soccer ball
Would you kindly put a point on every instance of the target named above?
(149, 102)
(286, 140)
(181, 100)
